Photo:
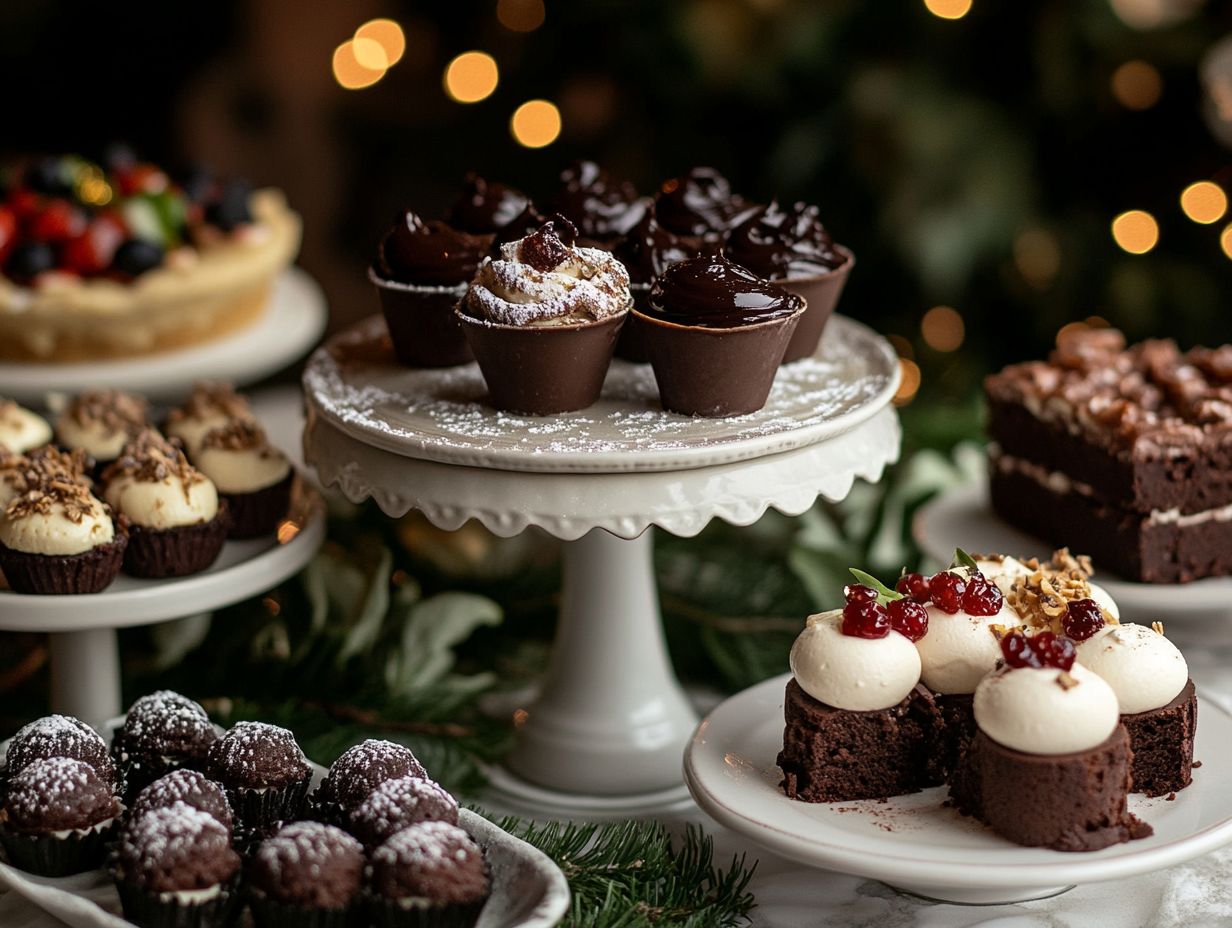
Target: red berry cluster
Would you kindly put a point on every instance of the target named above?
(1082, 619)
(1042, 650)
(864, 617)
(950, 592)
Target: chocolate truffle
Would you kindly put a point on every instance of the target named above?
(433, 861)
(162, 732)
(362, 768)
(308, 865)
(264, 772)
(59, 736)
(189, 787)
(395, 804)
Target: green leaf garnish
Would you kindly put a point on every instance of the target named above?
(963, 559)
(883, 591)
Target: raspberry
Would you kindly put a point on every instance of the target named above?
(1042, 650)
(865, 619)
(59, 221)
(858, 593)
(982, 596)
(1082, 619)
(946, 590)
(914, 586)
(908, 618)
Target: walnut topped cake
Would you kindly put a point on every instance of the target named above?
(1125, 453)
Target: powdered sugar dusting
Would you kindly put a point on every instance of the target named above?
(55, 788)
(428, 846)
(307, 844)
(166, 716)
(443, 414)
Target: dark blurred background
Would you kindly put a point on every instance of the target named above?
(973, 153)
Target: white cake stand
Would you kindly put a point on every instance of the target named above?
(85, 657)
(607, 731)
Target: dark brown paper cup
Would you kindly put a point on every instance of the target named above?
(715, 372)
(158, 910)
(154, 553)
(57, 855)
(59, 575)
(821, 293)
(541, 370)
(422, 324)
(259, 512)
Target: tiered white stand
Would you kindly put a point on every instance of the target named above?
(607, 731)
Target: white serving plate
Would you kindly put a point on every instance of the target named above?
(528, 889)
(291, 324)
(354, 384)
(963, 518)
(917, 845)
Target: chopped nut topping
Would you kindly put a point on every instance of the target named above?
(1042, 597)
(72, 494)
(210, 399)
(1157, 627)
(151, 458)
(38, 467)
(236, 435)
(115, 410)
(1065, 681)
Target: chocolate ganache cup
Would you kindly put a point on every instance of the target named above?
(700, 203)
(420, 272)
(792, 248)
(542, 320)
(715, 333)
(603, 208)
(646, 252)
(485, 207)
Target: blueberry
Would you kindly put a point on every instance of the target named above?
(136, 256)
(50, 176)
(198, 183)
(231, 208)
(28, 260)
(118, 156)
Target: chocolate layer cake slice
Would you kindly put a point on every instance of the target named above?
(1124, 453)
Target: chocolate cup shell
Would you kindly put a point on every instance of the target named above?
(56, 855)
(262, 810)
(268, 912)
(259, 512)
(67, 574)
(714, 372)
(631, 344)
(151, 910)
(541, 370)
(154, 553)
(422, 324)
(821, 293)
(386, 913)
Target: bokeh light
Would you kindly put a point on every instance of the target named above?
(520, 15)
(1136, 231)
(535, 123)
(909, 385)
(942, 328)
(1137, 85)
(471, 77)
(948, 9)
(1037, 255)
(385, 33)
(1225, 240)
(370, 54)
(1204, 202)
(902, 346)
(349, 72)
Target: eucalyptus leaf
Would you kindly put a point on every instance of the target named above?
(372, 606)
(431, 629)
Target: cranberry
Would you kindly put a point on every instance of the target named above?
(865, 619)
(8, 231)
(946, 590)
(92, 251)
(858, 593)
(1042, 650)
(25, 204)
(1082, 619)
(913, 586)
(59, 222)
(908, 618)
(982, 596)
(141, 178)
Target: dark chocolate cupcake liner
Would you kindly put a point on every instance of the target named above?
(821, 293)
(421, 323)
(259, 512)
(270, 913)
(328, 812)
(161, 910)
(137, 775)
(154, 553)
(386, 913)
(260, 810)
(57, 855)
(64, 574)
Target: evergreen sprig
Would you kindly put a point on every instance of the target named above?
(632, 875)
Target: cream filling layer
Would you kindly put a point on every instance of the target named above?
(95, 439)
(21, 430)
(165, 503)
(243, 471)
(55, 534)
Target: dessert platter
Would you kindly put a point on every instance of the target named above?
(701, 415)
(110, 522)
(993, 733)
(1123, 452)
(177, 822)
(118, 272)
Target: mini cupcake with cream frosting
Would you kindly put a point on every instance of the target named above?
(543, 319)
(209, 406)
(100, 423)
(21, 429)
(253, 478)
(177, 524)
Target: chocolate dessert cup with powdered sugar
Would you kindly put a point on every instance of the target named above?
(542, 320)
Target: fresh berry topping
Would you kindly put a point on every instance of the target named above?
(1082, 619)
(25, 204)
(1042, 650)
(58, 222)
(29, 259)
(908, 618)
(946, 590)
(859, 593)
(914, 586)
(982, 596)
(8, 231)
(136, 256)
(865, 619)
(231, 208)
(92, 251)
(141, 178)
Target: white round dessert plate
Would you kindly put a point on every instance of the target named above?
(442, 415)
(917, 844)
(243, 569)
(964, 518)
(292, 323)
(528, 889)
